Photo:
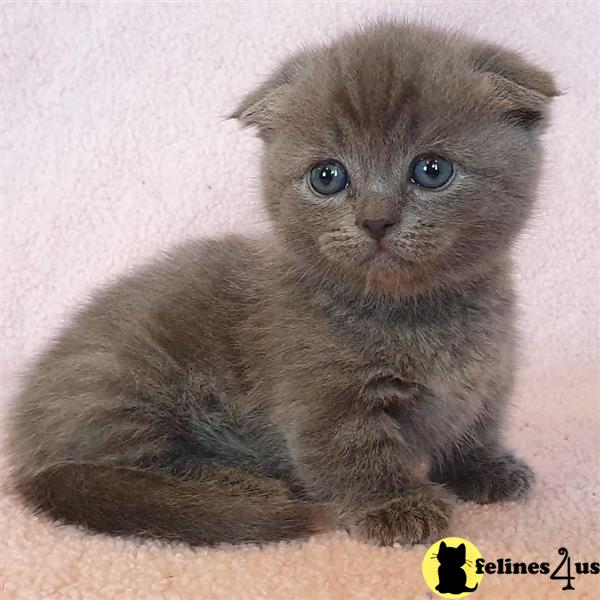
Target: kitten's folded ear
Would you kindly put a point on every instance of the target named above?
(259, 107)
(523, 89)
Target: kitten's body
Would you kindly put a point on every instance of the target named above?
(240, 390)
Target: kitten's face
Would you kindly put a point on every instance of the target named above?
(392, 158)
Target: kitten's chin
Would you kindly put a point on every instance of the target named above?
(380, 270)
(391, 273)
(388, 274)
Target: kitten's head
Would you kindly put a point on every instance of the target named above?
(452, 557)
(400, 157)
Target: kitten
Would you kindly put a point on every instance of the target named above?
(253, 390)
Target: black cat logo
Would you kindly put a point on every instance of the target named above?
(452, 577)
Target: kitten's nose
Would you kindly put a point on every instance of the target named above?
(377, 228)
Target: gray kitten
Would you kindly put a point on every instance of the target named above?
(252, 390)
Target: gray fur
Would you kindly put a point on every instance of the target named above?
(262, 389)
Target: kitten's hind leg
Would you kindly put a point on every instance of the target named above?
(221, 504)
(161, 458)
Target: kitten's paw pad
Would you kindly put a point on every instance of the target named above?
(502, 478)
(419, 515)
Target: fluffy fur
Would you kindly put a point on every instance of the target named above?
(251, 390)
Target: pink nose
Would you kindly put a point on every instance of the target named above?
(377, 228)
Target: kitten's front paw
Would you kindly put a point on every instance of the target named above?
(418, 515)
(496, 479)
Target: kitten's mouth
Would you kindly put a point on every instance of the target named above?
(379, 257)
(387, 264)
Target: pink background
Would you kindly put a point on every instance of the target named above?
(114, 147)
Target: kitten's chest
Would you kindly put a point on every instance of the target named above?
(420, 346)
(425, 374)
(417, 375)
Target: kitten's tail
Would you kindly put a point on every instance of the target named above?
(223, 505)
(467, 589)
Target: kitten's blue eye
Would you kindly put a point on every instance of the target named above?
(328, 178)
(431, 172)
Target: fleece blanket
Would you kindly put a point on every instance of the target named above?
(114, 147)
